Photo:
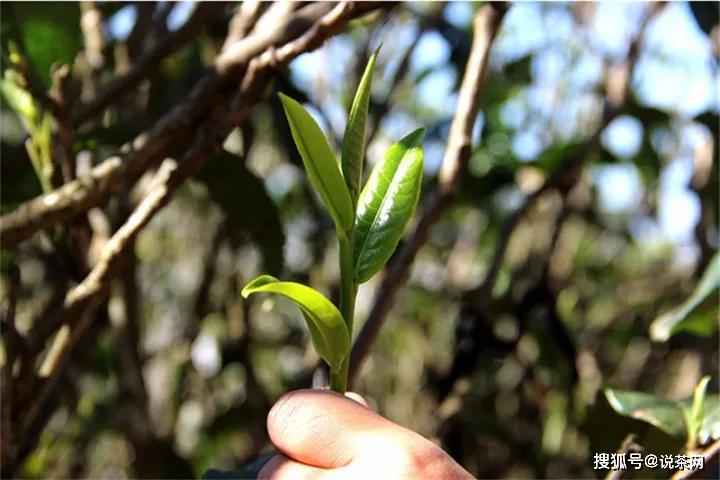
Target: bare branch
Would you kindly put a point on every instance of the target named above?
(561, 179)
(241, 22)
(13, 343)
(143, 36)
(117, 172)
(64, 136)
(91, 26)
(173, 42)
(82, 301)
(485, 27)
(709, 454)
(564, 177)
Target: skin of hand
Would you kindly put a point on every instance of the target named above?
(322, 435)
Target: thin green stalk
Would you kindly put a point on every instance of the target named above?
(348, 290)
(338, 380)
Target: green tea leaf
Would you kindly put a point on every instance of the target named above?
(698, 404)
(320, 164)
(36, 121)
(670, 416)
(327, 327)
(386, 204)
(353, 153)
(698, 313)
(663, 414)
(710, 427)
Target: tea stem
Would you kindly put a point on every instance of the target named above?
(338, 379)
(348, 290)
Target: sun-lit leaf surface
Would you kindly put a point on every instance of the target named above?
(667, 415)
(353, 153)
(320, 163)
(17, 98)
(327, 327)
(699, 313)
(386, 204)
(710, 429)
(37, 122)
(698, 403)
(694, 412)
(663, 414)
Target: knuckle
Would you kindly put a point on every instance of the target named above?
(424, 456)
(428, 460)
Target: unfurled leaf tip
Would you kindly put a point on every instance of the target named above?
(415, 138)
(284, 99)
(260, 281)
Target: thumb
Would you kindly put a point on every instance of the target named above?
(320, 427)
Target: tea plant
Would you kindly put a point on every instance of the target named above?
(369, 221)
(697, 419)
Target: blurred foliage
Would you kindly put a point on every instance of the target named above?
(47, 33)
(250, 214)
(585, 274)
(702, 424)
(698, 313)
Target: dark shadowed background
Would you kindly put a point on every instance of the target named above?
(588, 207)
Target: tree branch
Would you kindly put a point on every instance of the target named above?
(94, 40)
(709, 454)
(117, 172)
(81, 301)
(564, 177)
(485, 27)
(13, 343)
(561, 179)
(64, 136)
(241, 22)
(149, 61)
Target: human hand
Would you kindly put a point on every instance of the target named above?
(323, 435)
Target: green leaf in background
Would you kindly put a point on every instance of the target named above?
(18, 98)
(353, 153)
(698, 314)
(327, 327)
(694, 414)
(37, 123)
(47, 35)
(667, 415)
(386, 204)
(320, 164)
(663, 414)
(710, 428)
(251, 214)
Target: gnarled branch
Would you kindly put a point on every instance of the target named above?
(82, 301)
(118, 172)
